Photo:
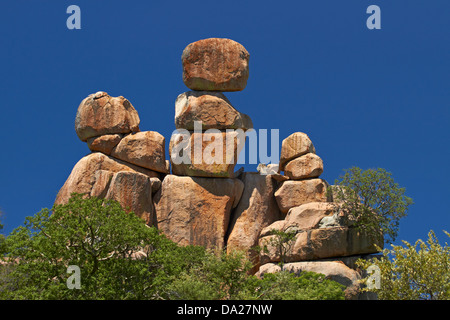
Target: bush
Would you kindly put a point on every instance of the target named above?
(372, 201)
(412, 272)
(306, 286)
(226, 277)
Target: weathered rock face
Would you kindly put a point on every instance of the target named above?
(211, 109)
(215, 64)
(196, 211)
(333, 270)
(307, 166)
(145, 149)
(133, 190)
(304, 217)
(98, 175)
(295, 193)
(102, 180)
(294, 146)
(209, 154)
(91, 173)
(104, 144)
(321, 243)
(256, 210)
(99, 114)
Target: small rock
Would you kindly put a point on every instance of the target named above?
(133, 191)
(307, 166)
(257, 209)
(294, 146)
(266, 169)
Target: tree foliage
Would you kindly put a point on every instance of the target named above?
(227, 278)
(121, 258)
(372, 201)
(413, 272)
(285, 285)
(102, 240)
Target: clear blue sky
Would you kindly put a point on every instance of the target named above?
(366, 98)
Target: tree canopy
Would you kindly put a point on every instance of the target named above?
(372, 200)
(412, 272)
(119, 257)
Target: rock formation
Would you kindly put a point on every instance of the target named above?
(203, 201)
(215, 65)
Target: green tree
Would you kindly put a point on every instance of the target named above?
(285, 285)
(121, 258)
(118, 255)
(220, 276)
(226, 277)
(413, 272)
(371, 201)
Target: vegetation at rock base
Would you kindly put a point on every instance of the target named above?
(372, 201)
(226, 277)
(282, 241)
(119, 257)
(101, 239)
(412, 272)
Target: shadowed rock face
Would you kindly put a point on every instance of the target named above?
(133, 190)
(215, 64)
(100, 114)
(104, 144)
(256, 210)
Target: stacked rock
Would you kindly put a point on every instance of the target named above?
(303, 168)
(126, 164)
(204, 148)
(195, 203)
(324, 240)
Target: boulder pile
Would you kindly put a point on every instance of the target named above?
(204, 147)
(202, 200)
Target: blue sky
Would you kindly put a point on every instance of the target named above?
(366, 98)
